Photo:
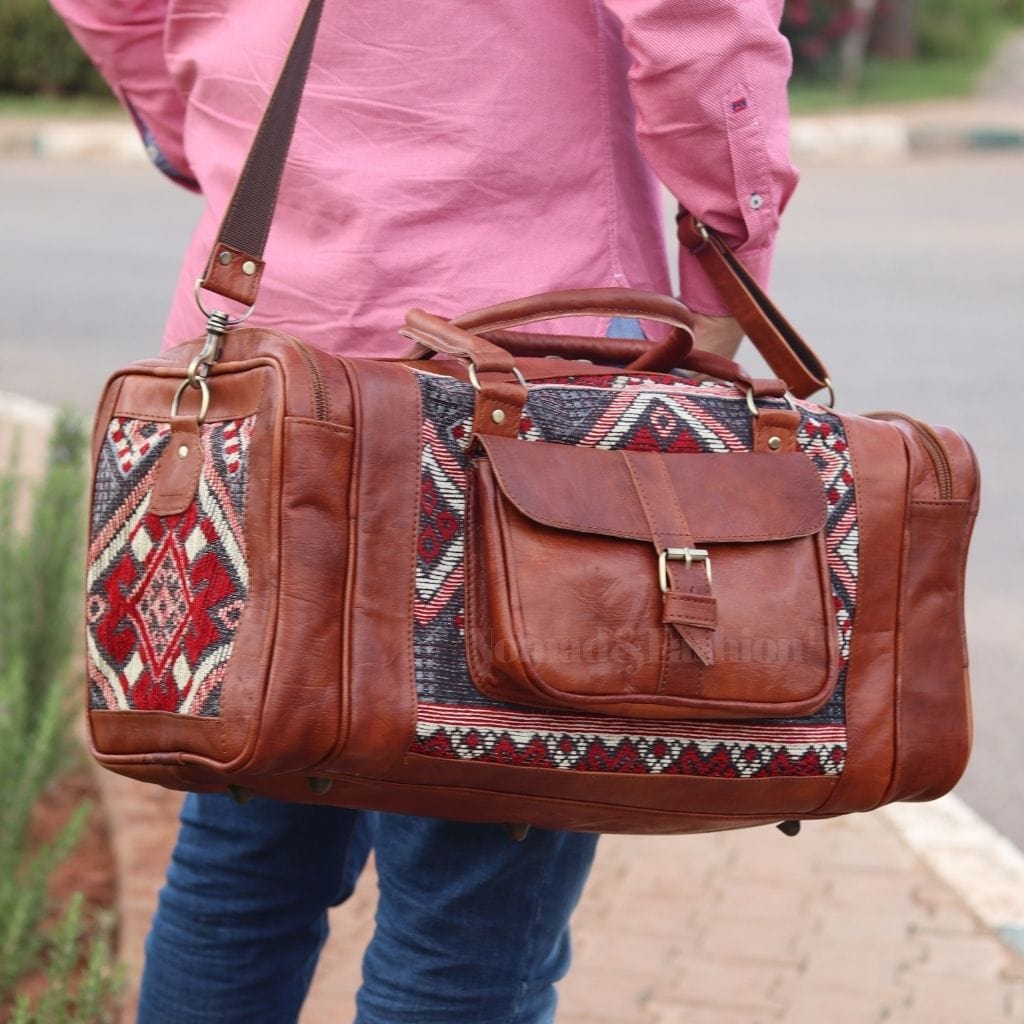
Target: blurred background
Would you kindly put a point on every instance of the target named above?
(901, 260)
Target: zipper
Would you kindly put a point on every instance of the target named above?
(933, 445)
(320, 403)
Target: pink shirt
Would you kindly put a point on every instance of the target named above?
(455, 155)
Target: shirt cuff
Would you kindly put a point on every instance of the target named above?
(699, 294)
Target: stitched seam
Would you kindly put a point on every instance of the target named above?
(609, 165)
(410, 648)
(558, 312)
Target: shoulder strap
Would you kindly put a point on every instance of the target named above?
(778, 341)
(236, 264)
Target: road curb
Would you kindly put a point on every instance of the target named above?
(858, 137)
(983, 867)
(18, 410)
(883, 137)
(25, 426)
(105, 141)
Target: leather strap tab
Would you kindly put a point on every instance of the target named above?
(234, 274)
(691, 610)
(775, 430)
(694, 615)
(177, 474)
(773, 335)
(499, 408)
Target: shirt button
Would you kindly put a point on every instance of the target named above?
(756, 200)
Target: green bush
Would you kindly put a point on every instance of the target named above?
(956, 28)
(40, 567)
(40, 574)
(38, 54)
(943, 30)
(1012, 10)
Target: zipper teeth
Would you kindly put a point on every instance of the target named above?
(935, 448)
(940, 458)
(319, 389)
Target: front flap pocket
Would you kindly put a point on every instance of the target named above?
(649, 584)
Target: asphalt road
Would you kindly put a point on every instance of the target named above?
(907, 278)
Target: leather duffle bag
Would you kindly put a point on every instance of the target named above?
(584, 583)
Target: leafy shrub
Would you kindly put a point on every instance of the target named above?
(955, 28)
(815, 29)
(38, 54)
(40, 573)
(942, 29)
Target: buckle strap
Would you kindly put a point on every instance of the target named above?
(684, 570)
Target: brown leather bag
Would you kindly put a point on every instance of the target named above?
(596, 595)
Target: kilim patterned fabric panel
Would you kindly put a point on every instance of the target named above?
(666, 414)
(165, 593)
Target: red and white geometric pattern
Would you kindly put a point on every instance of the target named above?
(606, 744)
(165, 593)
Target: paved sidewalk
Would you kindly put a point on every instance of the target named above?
(846, 924)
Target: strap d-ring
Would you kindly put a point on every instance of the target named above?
(228, 321)
(475, 380)
(748, 393)
(204, 397)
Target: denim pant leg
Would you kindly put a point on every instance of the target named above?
(243, 916)
(471, 926)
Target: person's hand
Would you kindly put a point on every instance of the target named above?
(718, 334)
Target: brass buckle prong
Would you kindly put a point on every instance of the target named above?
(687, 555)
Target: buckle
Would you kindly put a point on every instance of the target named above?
(687, 555)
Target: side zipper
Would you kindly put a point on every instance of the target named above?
(320, 403)
(932, 444)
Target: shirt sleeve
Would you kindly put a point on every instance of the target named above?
(125, 40)
(709, 81)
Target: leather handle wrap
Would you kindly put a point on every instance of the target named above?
(604, 351)
(432, 334)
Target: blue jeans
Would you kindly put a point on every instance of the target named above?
(470, 926)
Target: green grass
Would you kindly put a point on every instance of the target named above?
(890, 82)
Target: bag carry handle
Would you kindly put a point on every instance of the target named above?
(235, 265)
(667, 355)
(578, 302)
